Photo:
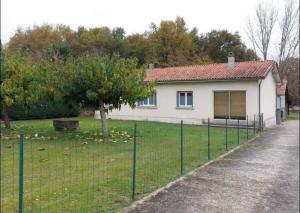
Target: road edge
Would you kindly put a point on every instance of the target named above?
(154, 193)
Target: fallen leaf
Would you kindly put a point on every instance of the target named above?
(44, 160)
(41, 149)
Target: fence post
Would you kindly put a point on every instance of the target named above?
(254, 125)
(21, 166)
(238, 131)
(181, 147)
(208, 139)
(226, 136)
(262, 122)
(259, 122)
(0, 167)
(134, 163)
(247, 129)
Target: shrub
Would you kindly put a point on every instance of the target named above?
(42, 110)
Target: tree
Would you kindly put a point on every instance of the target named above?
(56, 53)
(17, 82)
(117, 44)
(259, 30)
(196, 39)
(218, 43)
(289, 40)
(100, 40)
(291, 73)
(202, 57)
(171, 44)
(35, 41)
(95, 40)
(137, 45)
(105, 83)
(59, 41)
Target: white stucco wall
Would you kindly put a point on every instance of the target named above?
(268, 100)
(203, 102)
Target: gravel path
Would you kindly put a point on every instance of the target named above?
(261, 176)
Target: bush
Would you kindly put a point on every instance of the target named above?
(42, 110)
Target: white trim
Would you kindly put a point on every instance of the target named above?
(185, 99)
(141, 104)
(186, 107)
(146, 107)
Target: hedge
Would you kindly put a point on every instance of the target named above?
(42, 111)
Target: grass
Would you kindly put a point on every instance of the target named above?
(77, 172)
(293, 116)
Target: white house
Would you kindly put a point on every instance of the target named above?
(216, 91)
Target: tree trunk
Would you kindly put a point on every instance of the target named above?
(5, 118)
(265, 56)
(104, 125)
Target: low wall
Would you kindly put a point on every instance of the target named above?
(151, 118)
(268, 122)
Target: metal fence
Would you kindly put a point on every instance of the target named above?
(67, 172)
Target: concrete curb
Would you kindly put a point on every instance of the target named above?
(152, 194)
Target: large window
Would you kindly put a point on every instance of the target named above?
(150, 101)
(185, 99)
(230, 104)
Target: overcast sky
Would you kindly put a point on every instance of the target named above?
(134, 16)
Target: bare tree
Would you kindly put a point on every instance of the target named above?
(289, 41)
(291, 70)
(259, 30)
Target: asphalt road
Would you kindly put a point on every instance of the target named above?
(261, 176)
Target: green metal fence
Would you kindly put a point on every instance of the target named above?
(70, 172)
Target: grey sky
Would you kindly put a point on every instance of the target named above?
(133, 15)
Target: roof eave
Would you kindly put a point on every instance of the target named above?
(207, 80)
(275, 73)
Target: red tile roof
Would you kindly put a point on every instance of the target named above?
(221, 71)
(280, 90)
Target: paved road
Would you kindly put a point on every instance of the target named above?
(262, 176)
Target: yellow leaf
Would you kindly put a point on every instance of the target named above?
(41, 149)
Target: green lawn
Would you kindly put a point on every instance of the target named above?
(293, 116)
(77, 172)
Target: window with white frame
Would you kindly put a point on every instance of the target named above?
(150, 101)
(185, 99)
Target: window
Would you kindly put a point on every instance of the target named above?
(230, 104)
(184, 99)
(150, 101)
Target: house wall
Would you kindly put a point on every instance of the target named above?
(268, 100)
(203, 102)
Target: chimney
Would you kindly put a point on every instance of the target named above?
(231, 60)
(151, 66)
